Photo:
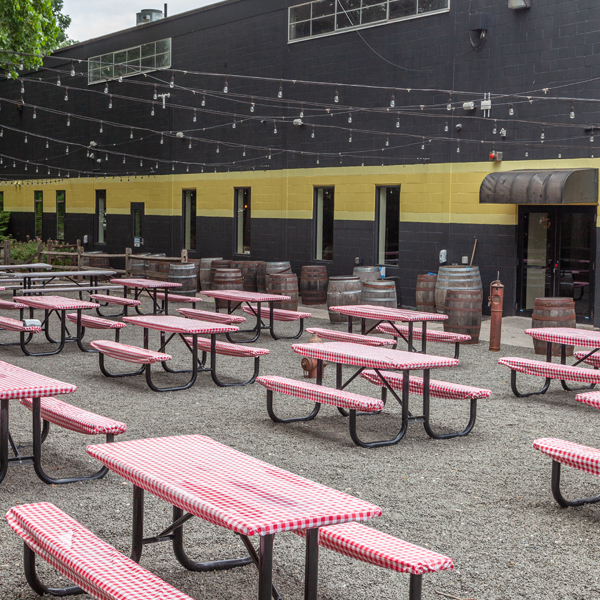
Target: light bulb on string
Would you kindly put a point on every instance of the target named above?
(37, 169)
(69, 121)
(172, 82)
(226, 86)
(20, 65)
(152, 112)
(336, 98)
(131, 134)
(194, 118)
(26, 166)
(141, 163)
(187, 169)
(511, 108)
(190, 144)
(203, 103)
(387, 141)
(58, 81)
(162, 139)
(2, 132)
(120, 77)
(349, 117)
(302, 112)
(560, 155)
(34, 113)
(252, 105)
(318, 160)
(106, 88)
(495, 129)
(526, 153)
(244, 152)
(393, 101)
(572, 112)
(449, 105)
(350, 137)
(157, 166)
(446, 128)
(398, 121)
(592, 138)
(22, 87)
(110, 102)
(48, 170)
(218, 148)
(67, 150)
(280, 92)
(173, 167)
(312, 135)
(14, 165)
(270, 154)
(542, 136)
(106, 157)
(155, 95)
(66, 94)
(72, 70)
(101, 127)
(458, 149)
(274, 127)
(25, 138)
(47, 145)
(423, 144)
(123, 159)
(234, 124)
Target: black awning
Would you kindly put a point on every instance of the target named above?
(565, 186)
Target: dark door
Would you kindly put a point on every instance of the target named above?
(556, 256)
(137, 224)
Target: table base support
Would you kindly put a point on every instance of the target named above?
(415, 587)
(34, 582)
(558, 495)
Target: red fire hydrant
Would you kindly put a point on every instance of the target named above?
(496, 300)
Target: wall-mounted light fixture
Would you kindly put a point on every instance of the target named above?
(519, 4)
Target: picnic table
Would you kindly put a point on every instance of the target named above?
(236, 298)
(34, 266)
(16, 384)
(176, 327)
(55, 305)
(206, 479)
(38, 281)
(380, 360)
(150, 287)
(390, 316)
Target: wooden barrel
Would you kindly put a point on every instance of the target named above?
(285, 284)
(138, 268)
(313, 284)
(261, 269)
(157, 270)
(186, 274)
(425, 295)
(249, 268)
(226, 279)
(342, 291)
(237, 264)
(217, 264)
(455, 277)
(463, 308)
(276, 267)
(96, 262)
(367, 273)
(378, 293)
(553, 312)
(204, 274)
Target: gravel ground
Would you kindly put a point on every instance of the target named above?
(483, 500)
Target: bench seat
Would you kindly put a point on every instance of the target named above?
(589, 398)
(593, 360)
(227, 349)
(437, 389)
(8, 305)
(83, 558)
(431, 336)
(16, 325)
(132, 354)
(115, 300)
(551, 370)
(584, 458)
(60, 289)
(213, 317)
(95, 322)
(321, 394)
(74, 418)
(279, 314)
(355, 338)
(179, 298)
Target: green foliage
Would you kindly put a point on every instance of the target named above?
(4, 222)
(64, 21)
(22, 252)
(28, 31)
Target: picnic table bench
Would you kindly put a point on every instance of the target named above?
(354, 338)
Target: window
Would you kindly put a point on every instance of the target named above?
(100, 216)
(60, 215)
(189, 219)
(38, 209)
(324, 17)
(388, 224)
(129, 62)
(2, 201)
(242, 220)
(323, 216)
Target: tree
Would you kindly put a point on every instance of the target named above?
(63, 22)
(29, 30)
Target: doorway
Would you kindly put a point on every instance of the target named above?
(556, 256)
(137, 222)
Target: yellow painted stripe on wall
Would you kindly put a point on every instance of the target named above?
(440, 193)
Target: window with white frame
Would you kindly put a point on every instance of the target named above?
(130, 61)
(388, 224)
(325, 17)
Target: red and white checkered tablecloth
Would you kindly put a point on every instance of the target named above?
(20, 383)
(228, 488)
(566, 335)
(55, 303)
(372, 357)
(584, 458)
(145, 283)
(241, 296)
(367, 311)
(174, 324)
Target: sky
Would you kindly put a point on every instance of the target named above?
(93, 18)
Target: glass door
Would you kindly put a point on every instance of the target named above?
(137, 221)
(557, 248)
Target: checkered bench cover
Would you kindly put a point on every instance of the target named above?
(380, 549)
(551, 370)
(178, 298)
(75, 419)
(321, 394)
(355, 338)
(83, 558)
(278, 313)
(593, 360)
(437, 389)
(590, 398)
(7, 304)
(432, 336)
(132, 354)
(213, 317)
(573, 455)
(95, 322)
(227, 349)
(16, 325)
(115, 300)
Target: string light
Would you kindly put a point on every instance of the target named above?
(47, 145)
(66, 94)
(218, 148)
(449, 105)
(25, 138)
(349, 117)
(110, 102)
(58, 80)
(244, 152)
(274, 127)
(446, 128)
(542, 136)
(190, 144)
(526, 152)
(155, 95)
(234, 124)
(350, 137)
(22, 87)
(398, 121)
(423, 144)
(141, 163)
(203, 103)
(572, 112)
(280, 92)
(302, 112)
(187, 169)
(69, 121)
(106, 88)
(172, 82)
(511, 108)
(120, 76)
(131, 134)
(387, 141)
(162, 139)
(101, 127)
(194, 118)
(226, 86)
(157, 166)
(123, 159)
(318, 159)
(312, 134)
(152, 113)
(252, 107)
(34, 113)
(495, 129)
(458, 149)
(67, 150)
(106, 157)
(393, 101)
(269, 153)
(336, 98)
(592, 137)
(72, 70)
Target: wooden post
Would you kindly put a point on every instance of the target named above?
(7, 252)
(184, 256)
(39, 254)
(127, 262)
(79, 256)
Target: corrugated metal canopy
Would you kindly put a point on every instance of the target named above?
(565, 186)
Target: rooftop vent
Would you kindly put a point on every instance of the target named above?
(148, 15)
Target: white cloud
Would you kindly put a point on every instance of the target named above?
(94, 18)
